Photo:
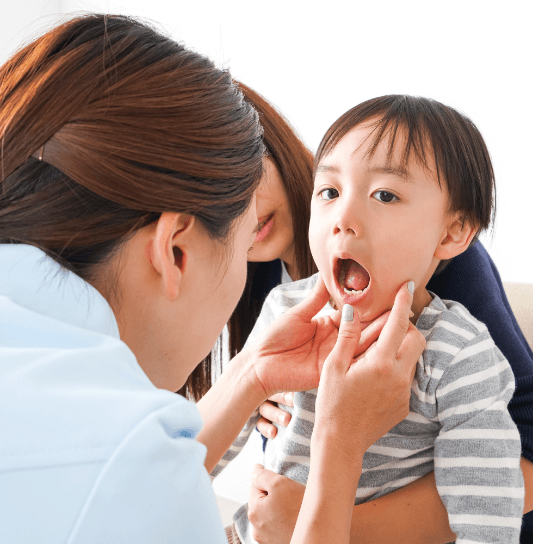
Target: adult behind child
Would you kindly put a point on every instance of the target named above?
(128, 172)
(471, 279)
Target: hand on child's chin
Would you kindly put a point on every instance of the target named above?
(370, 331)
(335, 306)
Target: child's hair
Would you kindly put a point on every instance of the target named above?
(295, 165)
(432, 131)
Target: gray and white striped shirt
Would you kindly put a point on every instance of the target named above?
(458, 426)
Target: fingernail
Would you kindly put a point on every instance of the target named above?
(411, 287)
(270, 433)
(347, 313)
(411, 313)
(288, 397)
(281, 418)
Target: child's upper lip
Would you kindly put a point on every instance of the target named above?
(345, 255)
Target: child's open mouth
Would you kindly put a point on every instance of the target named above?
(352, 279)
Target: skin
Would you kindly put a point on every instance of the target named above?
(159, 280)
(272, 199)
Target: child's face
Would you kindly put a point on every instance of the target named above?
(373, 227)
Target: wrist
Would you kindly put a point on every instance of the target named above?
(242, 371)
(331, 446)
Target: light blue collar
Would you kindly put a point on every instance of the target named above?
(35, 281)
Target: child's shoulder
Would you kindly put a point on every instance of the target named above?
(447, 318)
(288, 295)
(453, 335)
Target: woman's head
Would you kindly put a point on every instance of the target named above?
(284, 195)
(133, 126)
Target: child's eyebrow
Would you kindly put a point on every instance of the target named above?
(327, 168)
(397, 171)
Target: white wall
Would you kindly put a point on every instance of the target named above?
(21, 19)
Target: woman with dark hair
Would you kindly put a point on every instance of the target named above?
(128, 170)
(470, 278)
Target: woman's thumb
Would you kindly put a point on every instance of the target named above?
(348, 339)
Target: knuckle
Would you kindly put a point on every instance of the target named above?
(347, 334)
(252, 513)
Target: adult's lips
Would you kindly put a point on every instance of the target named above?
(264, 227)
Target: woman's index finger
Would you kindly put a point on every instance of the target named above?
(394, 331)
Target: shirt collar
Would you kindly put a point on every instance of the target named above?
(35, 281)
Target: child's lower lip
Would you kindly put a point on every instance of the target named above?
(265, 231)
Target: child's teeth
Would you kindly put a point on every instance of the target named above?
(352, 292)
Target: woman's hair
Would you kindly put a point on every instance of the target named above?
(295, 165)
(434, 133)
(129, 124)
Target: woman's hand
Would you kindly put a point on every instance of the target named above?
(360, 399)
(274, 504)
(288, 355)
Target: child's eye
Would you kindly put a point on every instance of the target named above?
(328, 194)
(385, 196)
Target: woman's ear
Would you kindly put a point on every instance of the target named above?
(456, 239)
(169, 250)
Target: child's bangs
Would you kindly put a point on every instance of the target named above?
(413, 134)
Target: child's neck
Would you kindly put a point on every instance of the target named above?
(421, 300)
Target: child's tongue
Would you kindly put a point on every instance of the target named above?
(357, 278)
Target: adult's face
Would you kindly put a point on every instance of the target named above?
(176, 290)
(275, 238)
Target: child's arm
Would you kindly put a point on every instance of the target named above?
(271, 310)
(237, 445)
(477, 454)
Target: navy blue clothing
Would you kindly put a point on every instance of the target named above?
(473, 280)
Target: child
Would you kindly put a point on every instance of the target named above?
(403, 185)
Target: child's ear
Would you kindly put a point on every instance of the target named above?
(456, 239)
(169, 250)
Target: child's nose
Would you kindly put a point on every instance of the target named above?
(348, 221)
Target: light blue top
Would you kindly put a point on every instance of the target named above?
(90, 450)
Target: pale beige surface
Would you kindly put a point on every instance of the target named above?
(227, 508)
(520, 297)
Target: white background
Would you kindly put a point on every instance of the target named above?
(315, 60)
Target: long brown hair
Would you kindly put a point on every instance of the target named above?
(128, 124)
(295, 165)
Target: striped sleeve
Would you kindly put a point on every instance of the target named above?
(269, 313)
(477, 452)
